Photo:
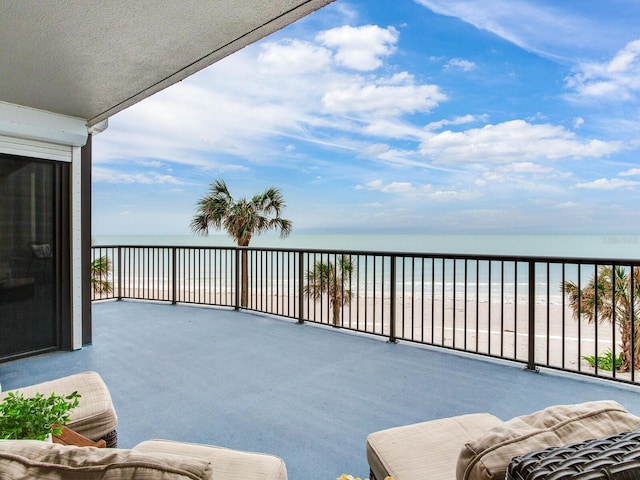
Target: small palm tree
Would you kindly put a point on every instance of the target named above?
(326, 279)
(613, 295)
(100, 273)
(242, 219)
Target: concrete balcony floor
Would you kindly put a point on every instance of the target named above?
(309, 394)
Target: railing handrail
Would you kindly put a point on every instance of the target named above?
(553, 259)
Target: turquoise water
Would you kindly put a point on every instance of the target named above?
(589, 246)
(513, 278)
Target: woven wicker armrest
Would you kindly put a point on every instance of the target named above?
(616, 457)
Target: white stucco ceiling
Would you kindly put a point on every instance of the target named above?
(91, 59)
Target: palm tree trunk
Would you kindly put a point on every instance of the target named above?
(336, 314)
(625, 334)
(336, 303)
(636, 343)
(244, 289)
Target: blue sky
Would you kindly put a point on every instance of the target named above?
(426, 116)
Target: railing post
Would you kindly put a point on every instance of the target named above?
(236, 305)
(174, 275)
(119, 272)
(392, 306)
(300, 287)
(531, 362)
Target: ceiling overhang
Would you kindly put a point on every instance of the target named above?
(90, 60)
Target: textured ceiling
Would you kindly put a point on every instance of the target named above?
(91, 59)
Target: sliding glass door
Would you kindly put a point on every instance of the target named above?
(31, 200)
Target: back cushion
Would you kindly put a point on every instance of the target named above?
(28, 459)
(488, 456)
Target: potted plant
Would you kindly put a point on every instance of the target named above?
(35, 418)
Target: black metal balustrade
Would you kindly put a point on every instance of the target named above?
(508, 307)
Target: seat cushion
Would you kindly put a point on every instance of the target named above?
(488, 456)
(28, 459)
(95, 416)
(226, 464)
(424, 450)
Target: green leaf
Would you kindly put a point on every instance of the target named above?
(35, 417)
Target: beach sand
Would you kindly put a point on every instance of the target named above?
(490, 328)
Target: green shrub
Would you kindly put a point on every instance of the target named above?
(35, 417)
(605, 361)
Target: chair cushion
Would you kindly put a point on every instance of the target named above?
(95, 416)
(426, 450)
(226, 464)
(28, 459)
(488, 456)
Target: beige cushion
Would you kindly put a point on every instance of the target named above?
(226, 464)
(488, 456)
(94, 416)
(29, 459)
(427, 450)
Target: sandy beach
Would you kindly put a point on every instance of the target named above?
(490, 328)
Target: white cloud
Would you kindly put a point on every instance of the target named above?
(461, 120)
(240, 106)
(449, 195)
(528, 167)
(538, 117)
(294, 57)
(626, 59)
(618, 79)
(426, 191)
(390, 127)
(568, 205)
(103, 175)
(550, 28)
(513, 141)
(630, 173)
(459, 64)
(398, 157)
(151, 163)
(480, 182)
(608, 184)
(375, 150)
(360, 48)
(521, 177)
(383, 100)
(392, 187)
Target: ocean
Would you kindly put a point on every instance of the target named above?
(625, 247)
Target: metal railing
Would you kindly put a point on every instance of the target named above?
(508, 307)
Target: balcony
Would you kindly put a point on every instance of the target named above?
(307, 392)
(517, 308)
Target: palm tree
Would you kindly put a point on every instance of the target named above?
(324, 278)
(100, 272)
(242, 219)
(612, 296)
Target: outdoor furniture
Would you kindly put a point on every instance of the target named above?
(95, 418)
(608, 458)
(69, 437)
(481, 446)
(150, 460)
